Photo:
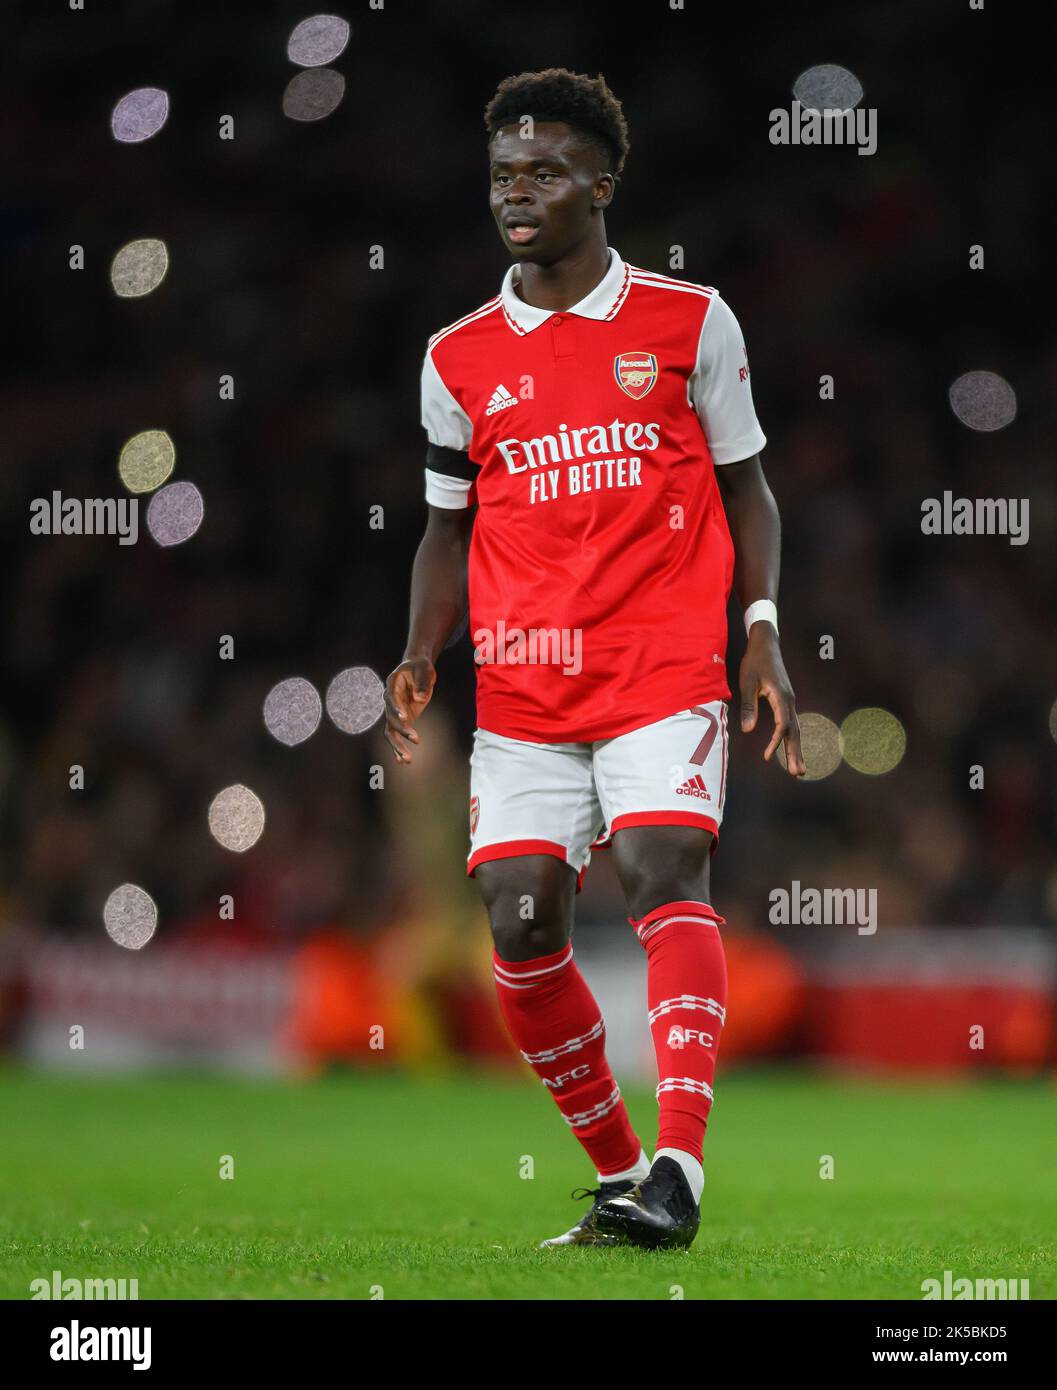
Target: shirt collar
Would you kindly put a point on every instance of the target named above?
(601, 303)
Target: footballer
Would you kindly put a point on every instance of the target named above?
(594, 487)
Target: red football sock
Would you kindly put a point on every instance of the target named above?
(555, 1022)
(686, 974)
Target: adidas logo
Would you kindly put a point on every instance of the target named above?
(501, 400)
(694, 786)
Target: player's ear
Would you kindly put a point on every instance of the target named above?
(605, 186)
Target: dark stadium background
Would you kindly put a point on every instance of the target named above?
(834, 263)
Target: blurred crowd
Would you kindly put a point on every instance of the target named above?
(835, 264)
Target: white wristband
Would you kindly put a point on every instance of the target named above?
(763, 610)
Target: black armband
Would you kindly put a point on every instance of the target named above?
(453, 463)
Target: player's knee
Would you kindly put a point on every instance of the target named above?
(657, 868)
(529, 909)
(654, 890)
(516, 941)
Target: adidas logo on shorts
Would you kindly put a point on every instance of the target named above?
(694, 786)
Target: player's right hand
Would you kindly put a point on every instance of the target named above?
(408, 690)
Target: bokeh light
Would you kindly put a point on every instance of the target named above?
(293, 710)
(1053, 721)
(355, 699)
(828, 87)
(146, 460)
(820, 743)
(313, 94)
(139, 115)
(318, 40)
(139, 267)
(236, 818)
(130, 916)
(175, 513)
(983, 400)
(873, 740)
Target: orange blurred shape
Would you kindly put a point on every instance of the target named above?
(340, 1001)
(1024, 1034)
(764, 995)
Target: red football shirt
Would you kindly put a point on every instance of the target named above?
(601, 563)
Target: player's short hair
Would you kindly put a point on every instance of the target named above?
(584, 103)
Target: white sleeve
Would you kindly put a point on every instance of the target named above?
(719, 388)
(443, 418)
(447, 426)
(447, 492)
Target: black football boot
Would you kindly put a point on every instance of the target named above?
(658, 1214)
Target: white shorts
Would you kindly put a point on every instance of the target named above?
(566, 799)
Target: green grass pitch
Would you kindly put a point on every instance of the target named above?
(413, 1185)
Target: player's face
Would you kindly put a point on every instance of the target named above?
(544, 190)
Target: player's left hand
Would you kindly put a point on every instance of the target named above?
(763, 673)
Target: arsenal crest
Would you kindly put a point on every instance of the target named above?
(635, 373)
(475, 811)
